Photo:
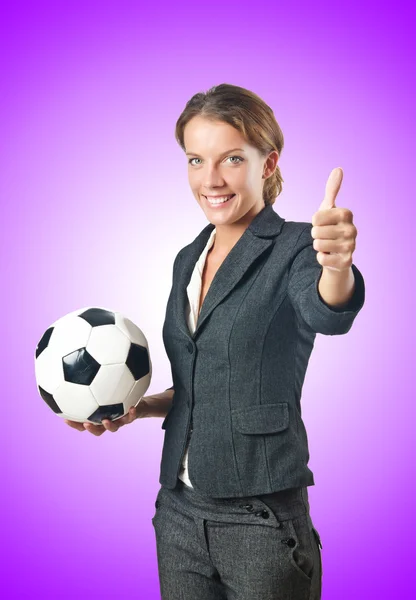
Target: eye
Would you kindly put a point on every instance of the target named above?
(235, 163)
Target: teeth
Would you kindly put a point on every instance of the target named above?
(220, 199)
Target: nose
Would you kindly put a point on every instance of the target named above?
(212, 178)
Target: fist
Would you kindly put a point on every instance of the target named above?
(333, 230)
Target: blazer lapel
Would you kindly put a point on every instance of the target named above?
(256, 239)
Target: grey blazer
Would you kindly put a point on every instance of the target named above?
(238, 378)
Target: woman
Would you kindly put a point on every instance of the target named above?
(248, 296)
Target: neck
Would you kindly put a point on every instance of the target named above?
(227, 236)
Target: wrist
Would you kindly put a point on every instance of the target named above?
(142, 409)
(157, 405)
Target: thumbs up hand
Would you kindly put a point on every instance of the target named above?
(333, 230)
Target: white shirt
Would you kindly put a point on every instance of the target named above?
(194, 295)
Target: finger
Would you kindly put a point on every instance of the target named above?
(329, 216)
(110, 425)
(325, 232)
(129, 417)
(75, 425)
(332, 188)
(125, 419)
(94, 429)
(332, 246)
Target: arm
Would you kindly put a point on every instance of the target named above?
(303, 289)
(336, 288)
(158, 405)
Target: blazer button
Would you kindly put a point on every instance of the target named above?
(190, 347)
(262, 513)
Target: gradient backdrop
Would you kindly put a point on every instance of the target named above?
(95, 204)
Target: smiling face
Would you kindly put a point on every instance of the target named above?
(221, 162)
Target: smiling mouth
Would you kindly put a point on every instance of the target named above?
(215, 202)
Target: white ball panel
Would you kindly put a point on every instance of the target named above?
(108, 345)
(131, 330)
(74, 313)
(75, 400)
(139, 389)
(112, 384)
(49, 371)
(69, 335)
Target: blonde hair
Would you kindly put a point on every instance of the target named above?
(249, 114)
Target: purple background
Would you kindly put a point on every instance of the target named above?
(95, 201)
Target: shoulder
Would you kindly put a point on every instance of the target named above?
(294, 236)
(203, 236)
(294, 229)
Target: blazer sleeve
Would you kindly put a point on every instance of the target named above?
(175, 264)
(304, 275)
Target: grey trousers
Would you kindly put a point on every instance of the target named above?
(251, 548)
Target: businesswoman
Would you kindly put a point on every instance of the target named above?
(249, 294)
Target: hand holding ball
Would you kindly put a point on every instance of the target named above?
(92, 366)
(135, 412)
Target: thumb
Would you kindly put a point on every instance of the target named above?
(332, 188)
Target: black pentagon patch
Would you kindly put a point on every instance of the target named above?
(80, 367)
(110, 411)
(49, 400)
(44, 341)
(98, 316)
(138, 361)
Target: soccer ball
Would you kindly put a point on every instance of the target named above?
(92, 364)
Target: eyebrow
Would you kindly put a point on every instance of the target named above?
(226, 152)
